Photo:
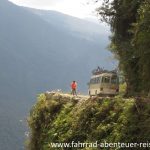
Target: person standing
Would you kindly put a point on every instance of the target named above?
(74, 88)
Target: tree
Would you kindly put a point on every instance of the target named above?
(129, 22)
(141, 42)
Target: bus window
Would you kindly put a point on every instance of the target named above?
(100, 79)
(92, 81)
(97, 80)
(114, 80)
(105, 79)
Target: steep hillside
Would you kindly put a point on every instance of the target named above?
(35, 56)
(58, 119)
(34, 51)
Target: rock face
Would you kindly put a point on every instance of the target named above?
(59, 95)
(63, 118)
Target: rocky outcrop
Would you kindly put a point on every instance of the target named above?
(62, 118)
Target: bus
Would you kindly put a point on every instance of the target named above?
(105, 83)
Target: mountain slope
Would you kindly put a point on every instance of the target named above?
(36, 56)
(78, 27)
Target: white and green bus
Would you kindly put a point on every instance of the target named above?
(104, 84)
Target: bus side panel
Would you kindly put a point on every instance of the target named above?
(94, 89)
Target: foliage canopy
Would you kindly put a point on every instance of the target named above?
(130, 41)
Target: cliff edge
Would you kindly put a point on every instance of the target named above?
(59, 118)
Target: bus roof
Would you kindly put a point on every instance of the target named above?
(103, 74)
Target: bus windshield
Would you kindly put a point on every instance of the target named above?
(95, 80)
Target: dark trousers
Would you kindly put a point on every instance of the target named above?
(74, 92)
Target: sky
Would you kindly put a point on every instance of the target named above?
(77, 8)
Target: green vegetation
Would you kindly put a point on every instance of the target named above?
(130, 41)
(63, 119)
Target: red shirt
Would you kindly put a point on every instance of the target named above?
(73, 85)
